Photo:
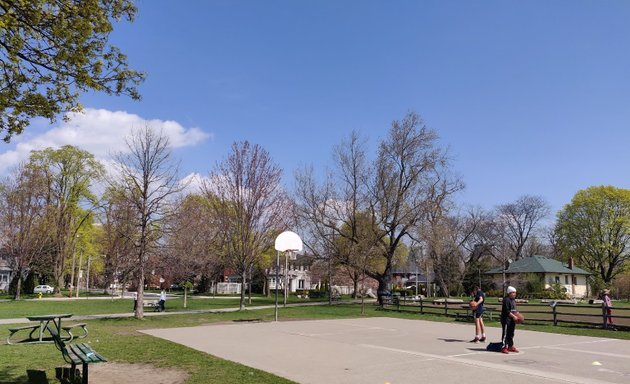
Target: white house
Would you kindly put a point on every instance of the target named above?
(298, 274)
(6, 273)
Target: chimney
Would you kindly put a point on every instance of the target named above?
(571, 262)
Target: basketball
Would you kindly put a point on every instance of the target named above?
(519, 317)
(473, 304)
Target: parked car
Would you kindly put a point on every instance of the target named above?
(43, 289)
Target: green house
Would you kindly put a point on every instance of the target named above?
(571, 277)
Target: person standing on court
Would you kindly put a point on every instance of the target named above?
(508, 321)
(480, 329)
(162, 300)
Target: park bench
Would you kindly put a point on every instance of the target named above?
(71, 336)
(155, 304)
(469, 312)
(76, 354)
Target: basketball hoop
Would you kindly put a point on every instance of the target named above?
(289, 243)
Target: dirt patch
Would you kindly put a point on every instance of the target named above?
(114, 373)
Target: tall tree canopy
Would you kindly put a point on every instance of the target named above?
(69, 173)
(595, 229)
(51, 50)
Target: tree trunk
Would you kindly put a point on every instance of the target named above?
(243, 282)
(18, 286)
(140, 306)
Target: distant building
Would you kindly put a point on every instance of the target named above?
(572, 278)
(6, 272)
(298, 274)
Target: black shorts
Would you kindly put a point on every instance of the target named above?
(478, 313)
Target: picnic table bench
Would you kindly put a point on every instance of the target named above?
(152, 303)
(470, 311)
(34, 328)
(38, 330)
(76, 354)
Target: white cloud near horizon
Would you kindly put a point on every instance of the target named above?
(99, 132)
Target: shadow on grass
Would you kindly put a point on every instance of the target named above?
(7, 376)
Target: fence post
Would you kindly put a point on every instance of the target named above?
(604, 315)
(446, 307)
(555, 315)
(421, 307)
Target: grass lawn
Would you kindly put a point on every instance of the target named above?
(83, 306)
(119, 341)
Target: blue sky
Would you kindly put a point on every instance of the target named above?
(530, 97)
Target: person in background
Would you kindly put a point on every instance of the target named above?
(162, 300)
(135, 300)
(508, 321)
(480, 330)
(607, 303)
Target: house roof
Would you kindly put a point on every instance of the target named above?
(539, 264)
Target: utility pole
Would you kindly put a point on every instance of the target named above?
(79, 272)
(87, 281)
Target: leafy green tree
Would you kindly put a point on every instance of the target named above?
(69, 173)
(595, 229)
(51, 50)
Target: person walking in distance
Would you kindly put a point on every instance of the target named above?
(508, 321)
(607, 302)
(162, 300)
(479, 298)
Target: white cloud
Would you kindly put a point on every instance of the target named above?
(99, 132)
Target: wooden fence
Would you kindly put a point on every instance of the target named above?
(554, 313)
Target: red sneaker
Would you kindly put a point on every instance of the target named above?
(483, 339)
(475, 340)
(504, 350)
(513, 349)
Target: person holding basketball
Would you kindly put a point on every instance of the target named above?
(476, 305)
(509, 318)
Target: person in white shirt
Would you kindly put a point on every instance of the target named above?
(162, 300)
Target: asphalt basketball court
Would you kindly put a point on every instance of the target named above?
(396, 351)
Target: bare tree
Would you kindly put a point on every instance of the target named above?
(249, 203)
(191, 240)
(406, 169)
(22, 219)
(444, 233)
(393, 194)
(520, 220)
(149, 178)
(335, 213)
(118, 236)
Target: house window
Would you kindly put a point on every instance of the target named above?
(558, 279)
(300, 284)
(566, 280)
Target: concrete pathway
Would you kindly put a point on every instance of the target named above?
(389, 350)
